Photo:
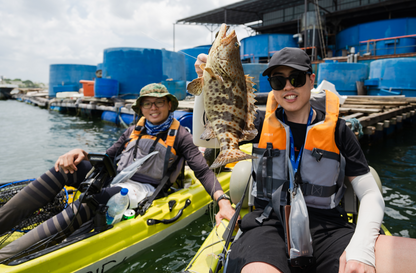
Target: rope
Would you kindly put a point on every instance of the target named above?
(356, 126)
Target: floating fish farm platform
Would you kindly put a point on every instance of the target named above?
(371, 118)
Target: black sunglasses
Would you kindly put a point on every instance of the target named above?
(296, 79)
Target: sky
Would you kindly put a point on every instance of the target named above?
(37, 33)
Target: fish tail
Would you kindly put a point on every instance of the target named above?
(229, 156)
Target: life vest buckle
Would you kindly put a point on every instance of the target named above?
(318, 154)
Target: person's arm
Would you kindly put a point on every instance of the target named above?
(359, 254)
(198, 164)
(371, 212)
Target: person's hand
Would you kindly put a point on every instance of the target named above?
(353, 266)
(202, 58)
(69, 161)
(226, 211)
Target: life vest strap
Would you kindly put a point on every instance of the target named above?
(317, 190)
(319, 154)
(268, 153)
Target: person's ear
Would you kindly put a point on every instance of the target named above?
(312, 78)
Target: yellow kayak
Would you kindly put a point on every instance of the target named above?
(102, 251)
(210, 253)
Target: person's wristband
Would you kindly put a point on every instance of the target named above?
(223, 196)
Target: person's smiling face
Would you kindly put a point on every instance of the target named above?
(295, 100)
(155, 110)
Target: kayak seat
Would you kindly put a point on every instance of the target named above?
(350, 200)
(239, 178)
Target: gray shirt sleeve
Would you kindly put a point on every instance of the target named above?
(185, 146)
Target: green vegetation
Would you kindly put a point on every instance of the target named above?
(24, 84)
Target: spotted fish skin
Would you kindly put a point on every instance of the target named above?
(228, 98)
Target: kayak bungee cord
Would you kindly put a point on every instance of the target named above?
(45, 242)
(9, 190)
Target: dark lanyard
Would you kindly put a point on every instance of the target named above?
(295, 162)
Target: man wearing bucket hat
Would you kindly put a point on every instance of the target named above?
(317, 147)
(157, 130)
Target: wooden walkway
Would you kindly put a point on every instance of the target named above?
(368, 116)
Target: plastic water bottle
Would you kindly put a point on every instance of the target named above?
(117, 205)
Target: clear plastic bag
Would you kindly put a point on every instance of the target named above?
(300, 235)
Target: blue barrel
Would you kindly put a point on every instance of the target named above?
(264, 85)
(392, 77)
(134, 68)
(256, 71)
(353, 36)
(69, 75)
(190, 57)
(105, 88)
(260, 48)
(343, 75)
(185, 119)
(65, 88)
(176, 88)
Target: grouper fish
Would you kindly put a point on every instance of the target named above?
(228, 98)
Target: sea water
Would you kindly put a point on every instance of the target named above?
(31, 139)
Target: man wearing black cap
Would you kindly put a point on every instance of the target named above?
(320, 149)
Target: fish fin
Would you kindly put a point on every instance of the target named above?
(213, 75)
(248, 78)
(195, 86)
(202, 66)
(210, 72)
(229, 156)
(208, 132)
(249, 134)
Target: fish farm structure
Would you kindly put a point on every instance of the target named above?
(365, 48)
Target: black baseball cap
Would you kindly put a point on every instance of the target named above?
(289, 56)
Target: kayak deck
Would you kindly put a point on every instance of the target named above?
(111, 247)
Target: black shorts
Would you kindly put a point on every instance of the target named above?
(265, 243)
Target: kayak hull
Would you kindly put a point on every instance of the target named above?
(102, 251)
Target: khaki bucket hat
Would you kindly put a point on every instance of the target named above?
(155, 90)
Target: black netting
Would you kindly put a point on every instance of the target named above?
(9, 190)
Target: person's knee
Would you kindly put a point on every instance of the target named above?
(259, 267)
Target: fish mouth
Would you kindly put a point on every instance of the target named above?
(226, 39)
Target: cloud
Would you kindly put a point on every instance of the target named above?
(35, 34)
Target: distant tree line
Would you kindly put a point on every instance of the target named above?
(24, 84)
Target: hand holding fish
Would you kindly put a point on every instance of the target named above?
(228, 98)
(201, 59)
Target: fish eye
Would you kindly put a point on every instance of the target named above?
(236, 44)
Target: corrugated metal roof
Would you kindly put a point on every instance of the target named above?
(240, 13)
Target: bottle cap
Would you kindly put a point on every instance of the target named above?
(124, 191)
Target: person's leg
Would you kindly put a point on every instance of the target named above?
(261, 248)
(259, 267)
(395, 254)
(62, 221)
(330, 236)
(37, 194)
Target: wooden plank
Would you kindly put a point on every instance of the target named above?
(355, 115)
(374, 118)
(347, 105)
(361, 110)
(368, 102)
